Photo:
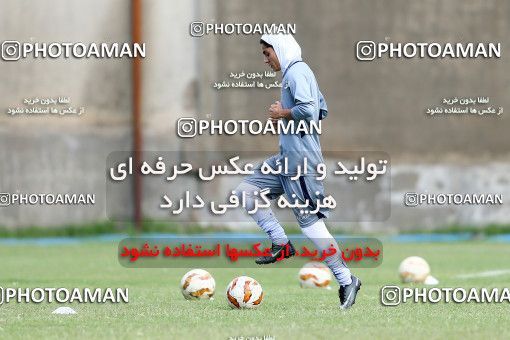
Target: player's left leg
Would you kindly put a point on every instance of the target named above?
(266, 220)
(264, 217)
(250, 188)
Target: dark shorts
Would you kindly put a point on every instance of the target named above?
(303, 188)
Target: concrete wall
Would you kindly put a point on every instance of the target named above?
(381, 105)
(62, 154)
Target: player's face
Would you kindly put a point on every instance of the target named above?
(270, 58)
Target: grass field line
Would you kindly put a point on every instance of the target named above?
(489, 273)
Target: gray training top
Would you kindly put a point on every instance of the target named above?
(301, 94)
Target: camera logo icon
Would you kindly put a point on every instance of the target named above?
(187, 127)
(365, 50)
(411, 199)
(390, 296)
(5, 199)
(197, 29)
(11, 50)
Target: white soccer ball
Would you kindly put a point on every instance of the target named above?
(414, 269)
(244, 292)
(315, 275)
(197, 284)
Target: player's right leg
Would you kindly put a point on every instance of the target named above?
(313, 227)
(349, 284)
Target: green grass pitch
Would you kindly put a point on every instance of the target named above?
(156, 308)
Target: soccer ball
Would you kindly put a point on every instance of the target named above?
(197, 284)
(244, 292)
(315, 275)
(414, 269)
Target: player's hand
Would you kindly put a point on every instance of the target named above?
(275, 111)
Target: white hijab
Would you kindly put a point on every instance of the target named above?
(286, 48)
